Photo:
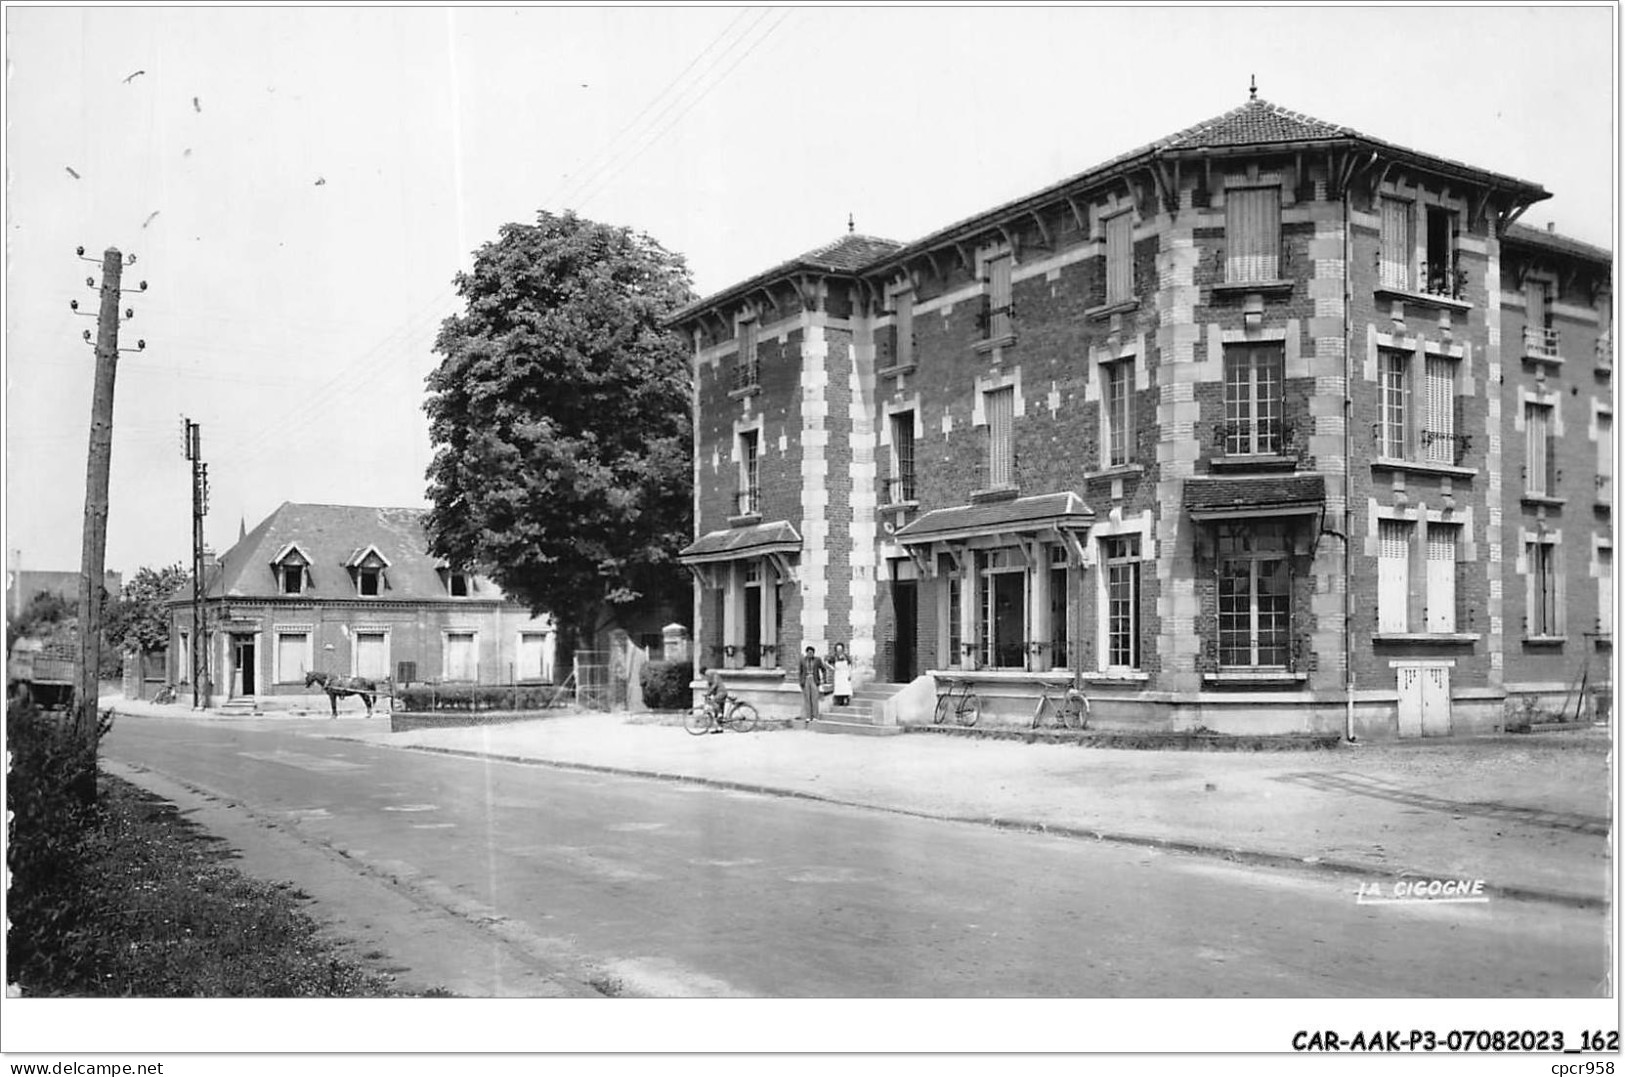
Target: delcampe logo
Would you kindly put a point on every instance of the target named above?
(1419, 890)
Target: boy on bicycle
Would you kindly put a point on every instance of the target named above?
(716, 696)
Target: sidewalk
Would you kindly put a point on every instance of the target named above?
(1530, 815)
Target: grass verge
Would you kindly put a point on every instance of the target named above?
(145, 904)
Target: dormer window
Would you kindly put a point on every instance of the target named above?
(457, 584)
(291, 566)
(367, 567)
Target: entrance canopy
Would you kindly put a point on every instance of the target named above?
(777, 541)
(1255, 498)
(1060, 517)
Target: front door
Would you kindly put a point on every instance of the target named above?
(753, 624)
(242, 665)
(1007, 594)
(905, 611)
(1435, 701)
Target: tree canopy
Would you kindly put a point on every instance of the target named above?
(137, 619)
(559, 416)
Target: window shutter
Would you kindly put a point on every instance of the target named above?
(999, 296)
(1253, 234)
(1398, 246)
(1559, 625)
(290, 657)
(1536, 427)
(1605, 590)
(1393, 565)
(1000, 416)
(1441, 582)
(1120, 258)
(1441, 410)
(905, 329)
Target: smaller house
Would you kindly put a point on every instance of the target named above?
(353, 591)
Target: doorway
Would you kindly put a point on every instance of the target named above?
(905, 599)
(1424, 700)
(242, 665)
(1004, 620)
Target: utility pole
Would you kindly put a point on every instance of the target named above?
(197, 656)
(93, 558)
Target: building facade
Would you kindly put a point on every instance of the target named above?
(1240, 428)
(350, 590)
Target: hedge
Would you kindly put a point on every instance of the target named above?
(481, 697)
(665, 686)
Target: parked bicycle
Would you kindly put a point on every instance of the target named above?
(1071, 710)
(959, 701)
(732, 713)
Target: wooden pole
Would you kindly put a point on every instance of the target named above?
(93, 559)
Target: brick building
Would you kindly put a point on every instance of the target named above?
(350, 590)
(1244, 427)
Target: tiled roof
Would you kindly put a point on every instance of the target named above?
(1210, 497)
(1022, 514)
(848, 254)
(736, 542)
(1537, 237)
(328, 535)
(1257, 121)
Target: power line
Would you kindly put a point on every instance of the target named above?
(661, 133)
(589, 168)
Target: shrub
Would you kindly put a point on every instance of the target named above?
(478, 697)
(665, 686)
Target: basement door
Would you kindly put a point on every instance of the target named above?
(1424, 700)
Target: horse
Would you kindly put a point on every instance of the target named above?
(336, 686)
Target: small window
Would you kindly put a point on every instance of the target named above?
(904, 304)
(1398, 243)
(1252, 223)
(749, 473)
(1444, 275)
(367, 581)
(293, 579)
(902, 448)
(747, 371)
(458, 584)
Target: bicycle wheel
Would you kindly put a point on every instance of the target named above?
(742, 717)
(970, 709)
(698, 720)
(945, 707)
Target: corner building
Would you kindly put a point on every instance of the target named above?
(1269, 426)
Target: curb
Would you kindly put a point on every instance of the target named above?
(1178, 845)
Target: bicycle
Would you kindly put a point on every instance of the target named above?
(1072, 711)
(965, 706)
(734, 713)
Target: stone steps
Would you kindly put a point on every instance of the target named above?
(862, 715)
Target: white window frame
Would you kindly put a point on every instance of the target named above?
(548, 658)
(446, 635)
(1118, 235)
(1013, 564)
(1544, 591)
(1540, 447)
(1001, 446)
(1398, 254)
(1117, 414)
(1129, 559)
(1258, 260)
(1605, 589)
(1442, 539)
(360, 630)
(278, 633)
(1395, 541)
(1441, 377)
(903, 426)
(1255, 615)
(1395, 406)
(1254, 383)
(749, 493)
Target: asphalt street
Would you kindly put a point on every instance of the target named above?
(653, 888)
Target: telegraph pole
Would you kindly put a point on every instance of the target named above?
(93, 559)
(198, 658)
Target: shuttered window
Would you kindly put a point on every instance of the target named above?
(1252, 223)
(1120, 258)
(533, 664)
(904, 303)
(1001, 412)
(1439, 441)
(1398, 243)
(902, 443)
(999, 297)
(749, 474)
(1605, 590)
(292, 649)
(461, 662)
(1441, 595)
(372, 655)
(1538, 438)
(1605, 458)
(1545, 592)
(1393, 574)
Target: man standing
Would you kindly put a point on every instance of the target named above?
(812, 676)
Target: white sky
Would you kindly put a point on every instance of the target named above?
(294, 319)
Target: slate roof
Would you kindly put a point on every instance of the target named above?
(1215, 497)
(1022, 514)
(735, 542)
(328, 535)
(848, 254)
(1256, 121)
(1554, 241)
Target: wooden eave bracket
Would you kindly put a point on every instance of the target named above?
(1078, 215)
(923, 561)
(782, 567)
(1043, 230)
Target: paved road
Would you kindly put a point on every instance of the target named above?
(652, 888)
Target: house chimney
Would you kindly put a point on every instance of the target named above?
(210, 561)
(1551, 226)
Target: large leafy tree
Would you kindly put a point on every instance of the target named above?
(137, 619)
(560, 420)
